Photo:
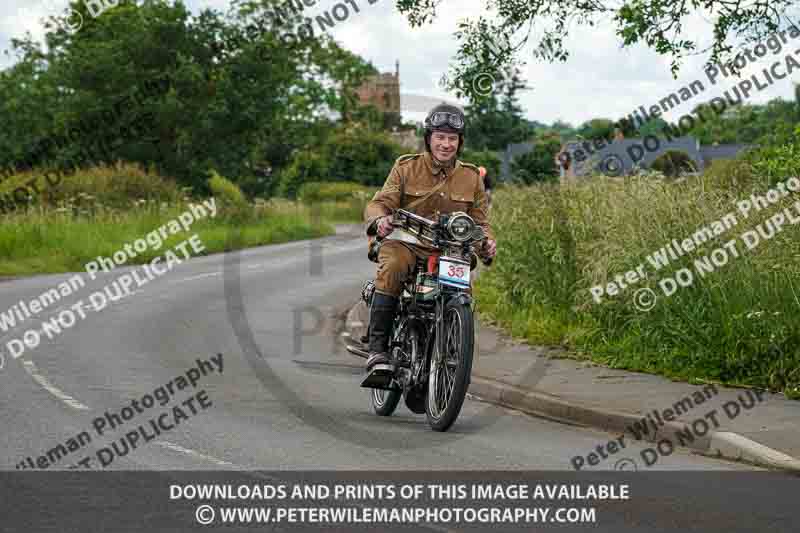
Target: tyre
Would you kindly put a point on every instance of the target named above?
(384, 402)
(449, 378)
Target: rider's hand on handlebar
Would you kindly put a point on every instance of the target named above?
(385, 226)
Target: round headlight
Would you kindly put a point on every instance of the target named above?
(460, 227)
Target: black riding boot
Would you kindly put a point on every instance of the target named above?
(381, 317)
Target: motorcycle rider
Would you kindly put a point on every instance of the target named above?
(435, 182)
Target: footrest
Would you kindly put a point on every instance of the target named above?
(379, 377)
(357, 350)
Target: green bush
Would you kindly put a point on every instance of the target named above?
(539, 164)
(484, 158)
(776, 163)
(116, 186)
(349, 154)
(230, 200)
(673, 163)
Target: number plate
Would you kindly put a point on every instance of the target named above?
(453, 272)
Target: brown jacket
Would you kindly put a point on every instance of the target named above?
(463, 192)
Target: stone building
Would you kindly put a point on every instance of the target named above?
(382, 91)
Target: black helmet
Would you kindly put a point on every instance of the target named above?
(446, 118)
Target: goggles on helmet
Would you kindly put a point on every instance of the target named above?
(440, 118)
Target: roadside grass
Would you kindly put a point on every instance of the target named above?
(60, 242)
(736, 325)
(95, 212)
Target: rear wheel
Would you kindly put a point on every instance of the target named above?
(450, 372)
(384, 402)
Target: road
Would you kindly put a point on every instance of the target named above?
(288, 395)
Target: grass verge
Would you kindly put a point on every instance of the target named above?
(96, 211)
(735, 325)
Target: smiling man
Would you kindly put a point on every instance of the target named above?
(431, 183)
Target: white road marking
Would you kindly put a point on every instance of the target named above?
(31, 369)
(209, 274)
(187, 451)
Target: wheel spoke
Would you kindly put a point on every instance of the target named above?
(442, 377)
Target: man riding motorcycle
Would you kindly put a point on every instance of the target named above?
(430, 183)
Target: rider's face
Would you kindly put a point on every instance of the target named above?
(444, 145)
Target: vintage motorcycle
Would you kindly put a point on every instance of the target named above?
(432, 338)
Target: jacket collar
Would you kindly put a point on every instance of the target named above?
(435, 167)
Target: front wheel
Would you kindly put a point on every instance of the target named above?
(449, 376)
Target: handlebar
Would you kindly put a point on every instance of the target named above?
(426, 231)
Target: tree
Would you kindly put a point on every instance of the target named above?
(492, 123)
(771, 123)
(237, 95)
(351, 153)
(486, 159)
(539, 164)
(597, 128)
(490, 47)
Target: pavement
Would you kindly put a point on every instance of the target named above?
(750, 426)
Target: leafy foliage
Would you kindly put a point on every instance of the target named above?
(223, 106)
(673, 163)
(777, 162)
(350, 153)
(539, 164)
(484, 158)
(597, 128)
(771, 123)
(494, 122)
(492, 46)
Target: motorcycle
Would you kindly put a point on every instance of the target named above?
(433, 334)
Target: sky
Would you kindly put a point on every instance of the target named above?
(600, 79)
